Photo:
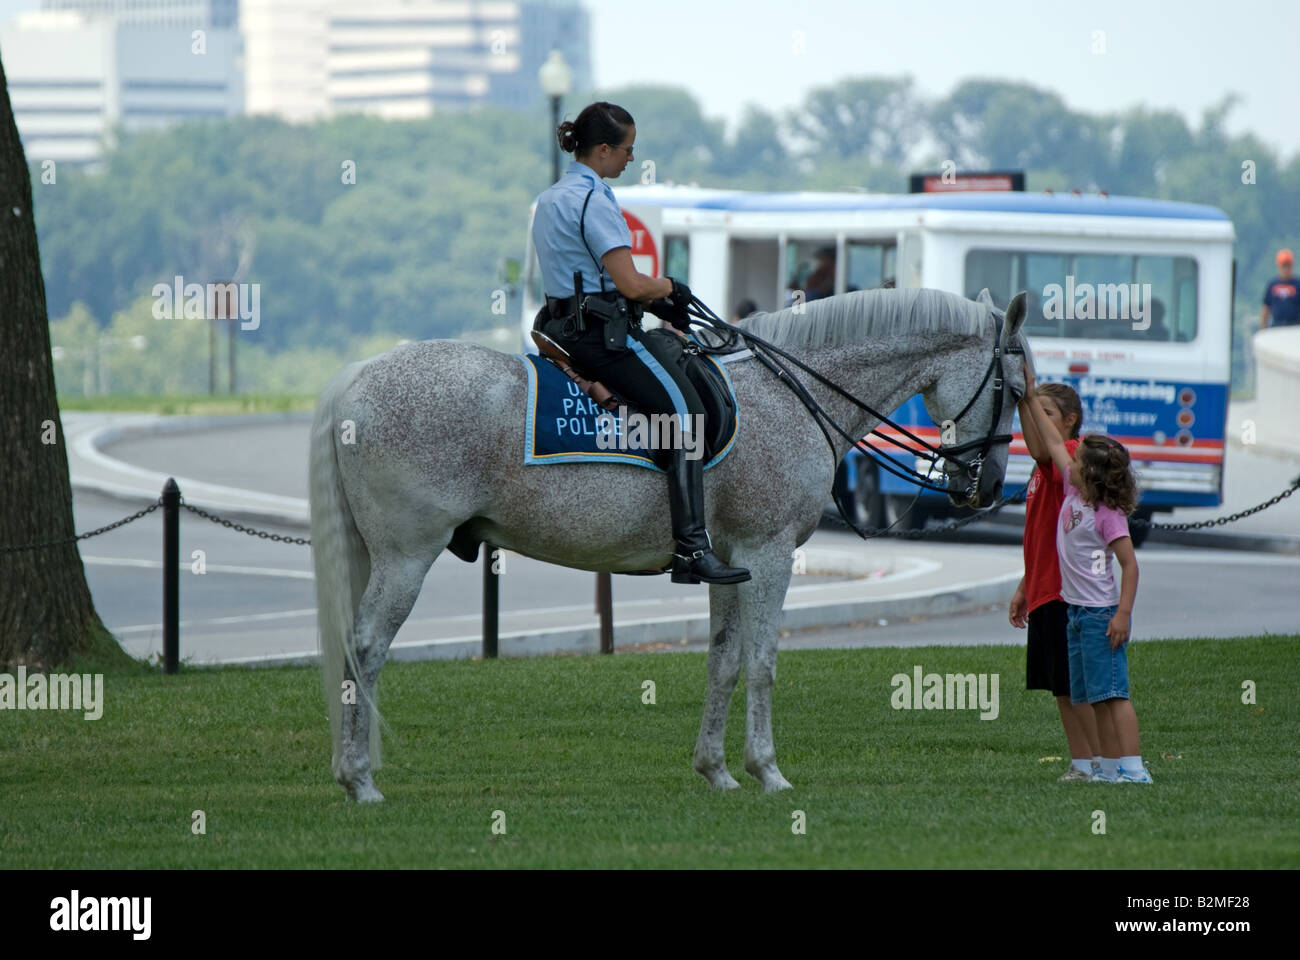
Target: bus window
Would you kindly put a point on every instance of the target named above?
(871, 263)
(1040, 269)
(1115, 296)
(677, 258)
(1158, 273)
(992, 269)
(810, 267)
(1184, 305)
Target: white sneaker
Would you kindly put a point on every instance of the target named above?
(1074, 774)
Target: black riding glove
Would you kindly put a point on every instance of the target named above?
(681, 295)
(665, 309)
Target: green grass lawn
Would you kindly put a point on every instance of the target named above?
(199, 404)
(589, 776)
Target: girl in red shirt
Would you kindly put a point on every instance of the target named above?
(1037, 602)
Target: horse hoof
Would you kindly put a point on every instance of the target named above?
(366, 793)
(720, 779)
(775, 783)
(770, 777)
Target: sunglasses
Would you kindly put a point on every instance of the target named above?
(615, 146)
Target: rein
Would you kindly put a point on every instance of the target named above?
(771, 356)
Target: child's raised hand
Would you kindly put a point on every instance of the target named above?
(1030, 381)
(1118, 629)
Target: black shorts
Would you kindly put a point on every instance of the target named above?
(1047, 658)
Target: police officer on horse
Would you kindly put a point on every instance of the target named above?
(595, 298)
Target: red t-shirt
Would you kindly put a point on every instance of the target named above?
(1042, 507)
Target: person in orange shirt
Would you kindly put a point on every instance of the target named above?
(1282, 295)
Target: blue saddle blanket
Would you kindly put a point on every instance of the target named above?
(563, 425)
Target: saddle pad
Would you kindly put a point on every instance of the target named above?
(560, 422)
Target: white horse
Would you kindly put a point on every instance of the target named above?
(434, 461)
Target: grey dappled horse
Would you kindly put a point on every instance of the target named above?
(433, 458)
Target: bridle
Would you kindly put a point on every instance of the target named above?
(972, 468)
(949, 455)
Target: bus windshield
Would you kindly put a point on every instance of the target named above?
(1093, 295)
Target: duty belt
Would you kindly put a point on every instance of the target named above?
(561, 307)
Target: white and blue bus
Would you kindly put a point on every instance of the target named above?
(1159, 384)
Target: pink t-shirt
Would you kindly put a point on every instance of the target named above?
(1083, 538)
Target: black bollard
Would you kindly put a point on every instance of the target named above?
(605, 607)
(491, 598)
(171, 497)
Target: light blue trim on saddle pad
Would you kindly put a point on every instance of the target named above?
(543, 443)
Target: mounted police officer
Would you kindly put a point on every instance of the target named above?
(595, 298)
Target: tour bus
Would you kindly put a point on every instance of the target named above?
(1129, 302)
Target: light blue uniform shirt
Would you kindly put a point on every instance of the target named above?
(556, 237)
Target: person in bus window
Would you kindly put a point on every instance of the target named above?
(821, 282)
(1158, 330)
(578, 229)
(1282, 295)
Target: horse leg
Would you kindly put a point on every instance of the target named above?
(761, 600)
(394, 585)
(724, 670)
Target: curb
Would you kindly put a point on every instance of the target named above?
(287, 512)
(693, 628)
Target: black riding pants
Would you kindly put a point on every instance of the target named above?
(648, 374)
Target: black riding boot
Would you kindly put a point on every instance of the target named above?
(694, 560)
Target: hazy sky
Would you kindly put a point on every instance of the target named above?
(1180, 54)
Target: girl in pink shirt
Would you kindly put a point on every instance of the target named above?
(1100, 492)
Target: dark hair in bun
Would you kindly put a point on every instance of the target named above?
(598, 123)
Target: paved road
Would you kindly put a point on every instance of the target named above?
(257, 595)
(272, 458)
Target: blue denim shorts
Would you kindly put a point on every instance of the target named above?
(1096, 671)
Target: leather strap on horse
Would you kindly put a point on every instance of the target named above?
(599, 393)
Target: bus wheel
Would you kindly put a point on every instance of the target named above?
(1140, 533)
(868, 501)
(914, 518)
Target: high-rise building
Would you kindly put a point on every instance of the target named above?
(80, 69)
(405, 58)
(158, 13)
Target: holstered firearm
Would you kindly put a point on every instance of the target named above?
(580, 323)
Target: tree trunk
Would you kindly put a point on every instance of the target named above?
(47, 617)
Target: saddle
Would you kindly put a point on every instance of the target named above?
(719, 406)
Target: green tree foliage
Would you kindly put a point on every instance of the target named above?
(411, 248)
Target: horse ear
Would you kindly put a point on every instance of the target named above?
(1015, 317)
(985, 298)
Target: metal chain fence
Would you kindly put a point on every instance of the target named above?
(1019, 497)
(949, 527)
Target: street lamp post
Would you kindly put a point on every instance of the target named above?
(555, 78)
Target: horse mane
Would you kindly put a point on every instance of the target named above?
(862, 314)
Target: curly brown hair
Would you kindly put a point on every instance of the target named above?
(1107, 473)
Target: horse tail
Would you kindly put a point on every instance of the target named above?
(340, 559)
